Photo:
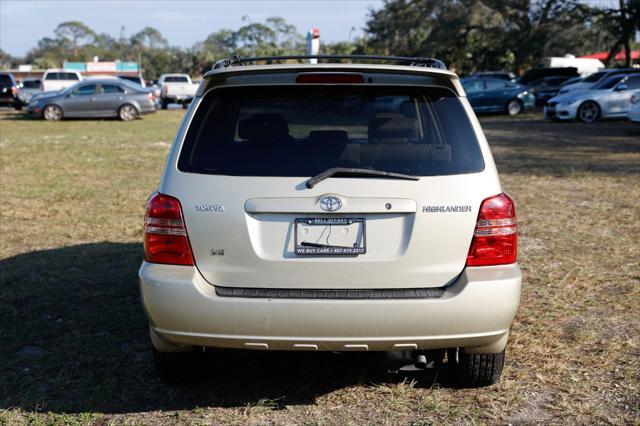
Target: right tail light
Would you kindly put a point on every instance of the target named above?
(495, 238)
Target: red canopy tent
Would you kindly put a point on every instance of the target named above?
(635, 55)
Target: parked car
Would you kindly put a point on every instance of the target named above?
(536, 73)
(9, 91)
(502, 75)
(316, 227)
(595, 78)
(546, 88)
(58, 79)
(494, 95)
(634, 107)
(608, 99)
(134, 79)
(28, 88)
(95, 98)
(176, 88)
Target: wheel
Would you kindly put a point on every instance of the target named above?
(127, 112)
(18, 107)
(164, 104)
(514, 107)
(475, 370)
(52, 113)
(177, 367)
(588, 112)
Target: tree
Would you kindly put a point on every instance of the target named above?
(622, 23)
(148, 38)
(75, 33)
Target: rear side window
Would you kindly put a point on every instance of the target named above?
(176, 79)
(305, 129)
(112, 88)
(5, 80)
(68, 76)
(52, 76)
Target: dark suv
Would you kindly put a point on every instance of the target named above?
(9, 91)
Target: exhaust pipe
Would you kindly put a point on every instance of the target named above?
(421, 362)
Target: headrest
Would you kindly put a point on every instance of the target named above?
(264, 127)
(392, 128)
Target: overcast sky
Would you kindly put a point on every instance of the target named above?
(24, 22)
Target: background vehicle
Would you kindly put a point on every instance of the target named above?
(176, 88)
(95, 98)
(58, 79)
(607, 99)
(9, 91)
(634, 107)
(27, 88)
(134, 79)
(546, 88)
(319, 225)
(494, 95)
(502, 75)
(536, 73)
(595, 78)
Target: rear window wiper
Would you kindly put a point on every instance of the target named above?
(347, 171)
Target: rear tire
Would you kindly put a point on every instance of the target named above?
(475, 370)
(588, 112)
(514, 107)
(177, 367)
(127, 112)
(52, 113)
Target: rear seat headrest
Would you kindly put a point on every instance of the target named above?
(392, 128)
(264, 127)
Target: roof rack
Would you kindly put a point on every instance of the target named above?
(416, 61)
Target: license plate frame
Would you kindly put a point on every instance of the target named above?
(359, 246)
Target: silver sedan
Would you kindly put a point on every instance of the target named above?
(94, 98)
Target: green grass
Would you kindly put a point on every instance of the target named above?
(74, 339)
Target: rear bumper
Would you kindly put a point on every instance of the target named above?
(475, 312)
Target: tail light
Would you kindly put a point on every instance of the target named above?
(150, 95)
(165, 236)
(635, 99)
(14, 90)
(495, 239)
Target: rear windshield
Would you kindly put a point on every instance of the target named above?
(304, 130)
(61, 76)
(5, 80)
(176, 79)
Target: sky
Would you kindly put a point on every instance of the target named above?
(182, 23)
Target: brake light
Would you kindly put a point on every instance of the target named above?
(328, 78)
(495, 238)
(165, 236)
(14, 90)
(150, 95)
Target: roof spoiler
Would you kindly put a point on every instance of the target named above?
(415, 61)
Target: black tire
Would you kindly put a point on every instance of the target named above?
(52, 113)
(18, 107)
(164, 104)
(475, 370)
(127, 112)
(177, 367)
(514, 107)
(588, 112)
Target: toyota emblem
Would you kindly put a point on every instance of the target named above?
(330, 204)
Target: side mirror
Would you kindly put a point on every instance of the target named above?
(620, 87)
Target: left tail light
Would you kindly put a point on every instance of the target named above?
(14, 90)
(165, 235)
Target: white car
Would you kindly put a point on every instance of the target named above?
(597, 77)
(634, 107)
(58, 79)
(608, 99)
(300, 210)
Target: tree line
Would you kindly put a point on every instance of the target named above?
(469, 35)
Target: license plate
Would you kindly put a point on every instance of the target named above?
(330, 236)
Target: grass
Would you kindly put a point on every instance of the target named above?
(73, 334)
